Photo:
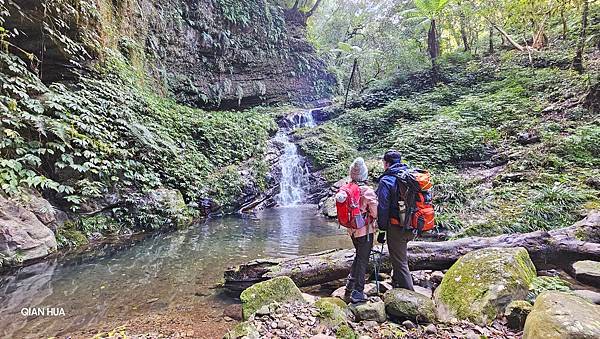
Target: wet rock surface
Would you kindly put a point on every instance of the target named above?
(23, 236)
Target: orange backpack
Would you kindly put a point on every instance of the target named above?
(420, 214)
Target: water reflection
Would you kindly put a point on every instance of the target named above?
(116, 282)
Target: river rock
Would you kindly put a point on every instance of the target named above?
(405, 304)
(593, 297)
(480, 285)
(588, 272)
(331, 312)
(516, 312)
(329, 210)
(243, 330)
(368, 311)
(423, 290)
(22, 235)
(558, 315)
(339, 293)
(279, 289)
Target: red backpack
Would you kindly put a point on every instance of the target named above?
(348, 211)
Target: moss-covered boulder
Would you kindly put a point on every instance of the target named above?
(516, 312)
(405, 304)
(333, 300)
(280, 289)
(560, 315)
(369, 311)
(331, 312)
(587, 271)
(480, 285)
(243, 330)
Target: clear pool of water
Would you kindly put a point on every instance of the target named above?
(112, 282)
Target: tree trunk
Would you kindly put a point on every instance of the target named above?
(508, 38)
(313, 9)
(564, 23)
(463, 33)
(578, 60)
(354, 66)
(433, 48)
(558, 248)
(491, 40)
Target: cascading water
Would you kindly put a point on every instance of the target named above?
(295, 176)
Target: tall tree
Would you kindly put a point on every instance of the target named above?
(578, 60)
(428, 12)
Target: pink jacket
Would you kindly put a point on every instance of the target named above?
(368, 203)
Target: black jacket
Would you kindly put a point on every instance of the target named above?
(388, 196)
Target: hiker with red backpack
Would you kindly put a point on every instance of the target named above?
(356, 204)
(405, 210)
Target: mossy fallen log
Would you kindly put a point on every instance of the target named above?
(557, 248)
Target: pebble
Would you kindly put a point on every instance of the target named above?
(274, 324)
(408, 324)
(227, 318)
(431, 329)
(263, 311)
(150, 301)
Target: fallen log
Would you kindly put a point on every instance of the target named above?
(558, 248)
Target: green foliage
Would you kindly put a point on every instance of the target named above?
(544, 283)
(439, 141)
(329, 147)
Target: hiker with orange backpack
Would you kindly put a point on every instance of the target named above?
(356, 204)
(405, 209)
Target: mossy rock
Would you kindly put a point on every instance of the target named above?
(411, 305)
(331, 312)
(369, 311)
(333, 300)
(280, 289)
(560, 315)
(345, 332)
(243, 330)
(480, 285)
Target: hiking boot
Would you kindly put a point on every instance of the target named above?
(358, 297)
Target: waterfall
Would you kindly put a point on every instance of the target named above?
(295, 176)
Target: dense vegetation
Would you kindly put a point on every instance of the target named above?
(506, 118)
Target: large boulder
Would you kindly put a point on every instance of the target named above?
(406, 304)
(22, 235)
(480, 285)
(588, 272)
(561, 315)
(280, 289)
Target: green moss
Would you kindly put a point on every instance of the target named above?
(332, 300)
(345, 332)
(480, 284)
(70, 236)
(279, 289)
(330, 312)
(242, 330)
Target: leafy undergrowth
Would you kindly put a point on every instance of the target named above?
(529, 128)
(100, 145)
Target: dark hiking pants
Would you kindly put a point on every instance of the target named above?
(356, 279)
(397, 240)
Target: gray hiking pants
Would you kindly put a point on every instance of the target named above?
(397, 240)
(360, 264)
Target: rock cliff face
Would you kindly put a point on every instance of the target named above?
(206, 53)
